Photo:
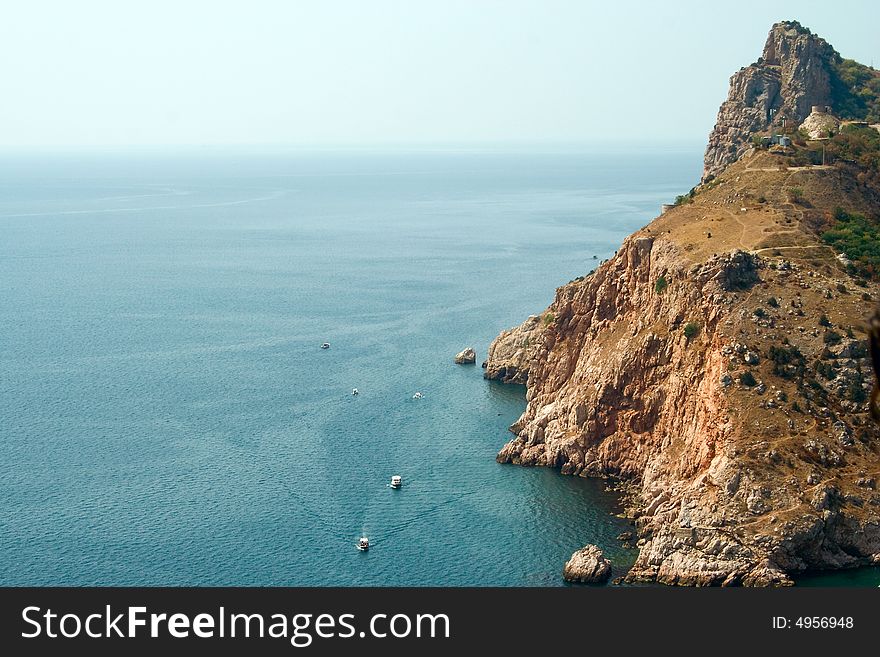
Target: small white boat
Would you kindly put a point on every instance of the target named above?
(418, 395)
(364, 544)
(354, 391)
(396, 481)
(326, 345)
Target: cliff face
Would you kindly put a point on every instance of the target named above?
(694, 364)
(511, 353)
(602, 380)
(793, 74)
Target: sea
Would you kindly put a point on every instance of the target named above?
(167, 413)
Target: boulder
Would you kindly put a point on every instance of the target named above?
(820, 124)
(849, 348)
(466, 357)
(587, 566)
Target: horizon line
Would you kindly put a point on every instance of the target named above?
(605, 144)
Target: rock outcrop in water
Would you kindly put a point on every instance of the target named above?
(466, 356)
(587, 566)
(718, 363)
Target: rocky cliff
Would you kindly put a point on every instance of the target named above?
(718, 362)
(512, 352)
(794, 73)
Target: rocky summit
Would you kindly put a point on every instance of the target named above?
(718, 361)
(796, 72)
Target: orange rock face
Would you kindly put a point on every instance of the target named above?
(639, 379)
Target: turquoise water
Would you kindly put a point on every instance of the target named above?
(857, 577)
(169, 418)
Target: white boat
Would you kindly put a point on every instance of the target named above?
(326, 345)
(364, 544)
(418, 395)
(354, 391)
(396, 481)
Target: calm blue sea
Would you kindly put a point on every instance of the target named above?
(168, 417)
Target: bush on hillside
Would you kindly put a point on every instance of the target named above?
(858, 238)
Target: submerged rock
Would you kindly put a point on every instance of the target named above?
(466, 357)
(587, 566)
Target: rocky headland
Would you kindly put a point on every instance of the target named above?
(718, 361)
(796, 72)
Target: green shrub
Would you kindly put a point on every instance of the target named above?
(855, 391)
(858, 144)
(832, 337)
(825, 370)
(691, 329)
(824, 321)
(859, 350)
(681, 199)
(856, 237)
(549, 318)
(772, 302)
(788, 362)
(759, 312)
(747, 379)
(855, 90)
(661, 285)
(805, 157)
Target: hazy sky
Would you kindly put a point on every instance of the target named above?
(376, 72)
